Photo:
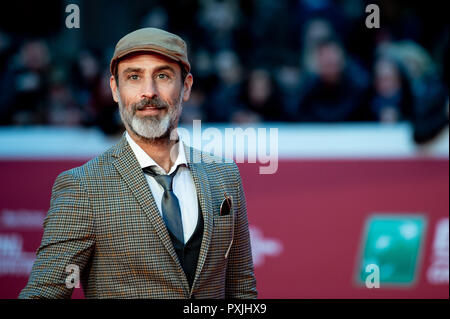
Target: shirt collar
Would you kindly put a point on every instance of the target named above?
(145, 160)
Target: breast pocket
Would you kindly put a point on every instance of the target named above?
(223, 233)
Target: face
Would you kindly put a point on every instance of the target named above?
(387, 78)
(150, 93)
(330, 62)
(260, 87)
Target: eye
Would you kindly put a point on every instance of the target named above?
(162, 76)
(134, 77)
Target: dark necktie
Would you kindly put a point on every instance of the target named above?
(169, 204)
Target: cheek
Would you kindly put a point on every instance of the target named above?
(128, 96)
(175, 97)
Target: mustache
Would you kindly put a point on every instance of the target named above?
(153, 102)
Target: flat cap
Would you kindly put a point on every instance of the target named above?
(151, 40)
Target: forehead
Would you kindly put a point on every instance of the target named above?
(146, 61)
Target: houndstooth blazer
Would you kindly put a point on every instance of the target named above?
(104, 219)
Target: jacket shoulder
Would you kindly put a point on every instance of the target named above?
(98, 167)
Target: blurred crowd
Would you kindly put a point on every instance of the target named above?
(252, 61)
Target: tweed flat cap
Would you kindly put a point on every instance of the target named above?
(151, 40)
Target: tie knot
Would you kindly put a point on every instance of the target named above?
(165, 181)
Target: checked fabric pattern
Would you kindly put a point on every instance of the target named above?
(103, 219)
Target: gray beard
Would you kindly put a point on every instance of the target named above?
(150, 127)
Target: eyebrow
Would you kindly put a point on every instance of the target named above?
(131, 70)
(165, 67)
(140, 70)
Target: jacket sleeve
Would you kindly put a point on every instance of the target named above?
(240, 278)
(67, 242)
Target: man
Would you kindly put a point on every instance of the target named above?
(151, 217)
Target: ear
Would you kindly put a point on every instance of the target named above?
(187, 87)
(113, 85)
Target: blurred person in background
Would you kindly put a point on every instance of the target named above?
(62, 108)
(157, 17)
(392, 101)
(217, 21)
(287, 78)
(229, 35)
(222, 105)
(270, 34)
(315, 31)
(85, 73)
(194, 108)
(406, 73)
(85, 78)
(205, 82)
(5, 50)
(25, 85)
(336, 90)
(259, 99)
(93, 95)
(431, 107)
(105, 114)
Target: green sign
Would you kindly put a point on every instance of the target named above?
(392, 243)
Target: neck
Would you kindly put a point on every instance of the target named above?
(161, 150)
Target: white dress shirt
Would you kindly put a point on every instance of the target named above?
(183, 185)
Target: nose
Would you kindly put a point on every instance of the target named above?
(149, 89)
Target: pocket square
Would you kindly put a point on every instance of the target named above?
(227, 204)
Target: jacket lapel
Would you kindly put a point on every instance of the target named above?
(129, 168)
(202, 186)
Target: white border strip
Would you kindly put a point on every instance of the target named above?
(358, 140)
